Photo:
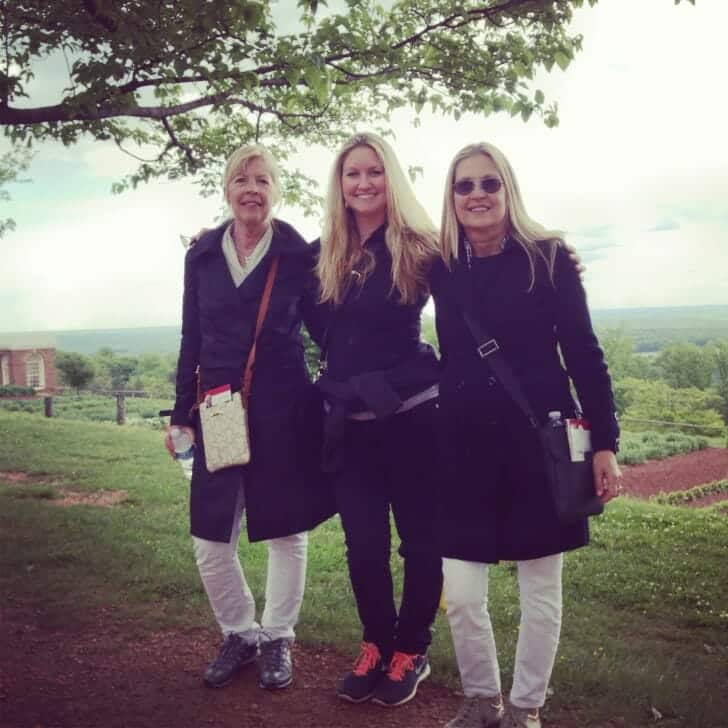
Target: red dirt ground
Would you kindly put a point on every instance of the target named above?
(678, 472)
(95, 673)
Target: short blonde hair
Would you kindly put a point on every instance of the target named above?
(411, 237)
(238, 161)
(533, 237)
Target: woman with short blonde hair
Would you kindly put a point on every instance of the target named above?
(239, 160)
(227, 271)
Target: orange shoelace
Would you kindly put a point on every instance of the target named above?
(367, 660)
(401, 662)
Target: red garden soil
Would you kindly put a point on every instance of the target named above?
(679, 472)
(95, 671)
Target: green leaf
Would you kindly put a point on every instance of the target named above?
(562, 59)
(252, 14)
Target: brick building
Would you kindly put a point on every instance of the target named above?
(28, 360)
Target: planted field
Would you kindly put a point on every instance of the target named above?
(639, 447)
(673, 479)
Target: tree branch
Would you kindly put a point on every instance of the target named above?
(179, 144)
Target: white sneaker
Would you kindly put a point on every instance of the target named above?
(478, 713)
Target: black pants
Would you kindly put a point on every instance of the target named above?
(392, 463)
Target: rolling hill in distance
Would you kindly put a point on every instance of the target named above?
(650, 329)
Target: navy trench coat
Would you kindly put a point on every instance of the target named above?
(285, 490)
(496, 504)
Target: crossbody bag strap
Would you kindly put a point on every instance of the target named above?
(489, 351)
(262, 310)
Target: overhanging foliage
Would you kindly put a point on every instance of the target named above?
(179, 83)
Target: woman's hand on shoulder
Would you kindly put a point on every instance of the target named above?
(607, 475)
(196, 237)
(575, 259)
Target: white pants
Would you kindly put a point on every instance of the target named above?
(230, 597)
(466, 594)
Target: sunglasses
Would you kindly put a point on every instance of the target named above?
(487, 184)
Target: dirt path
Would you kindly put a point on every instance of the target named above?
(98, 677)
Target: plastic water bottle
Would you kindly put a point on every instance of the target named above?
(555, 419)
(184, 449)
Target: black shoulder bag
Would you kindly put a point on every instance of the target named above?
(572, 483)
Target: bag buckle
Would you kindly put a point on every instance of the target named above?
(487, 348)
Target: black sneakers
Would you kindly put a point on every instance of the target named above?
(234, 654)
(359, 684)
(400, 682)
(276, 670)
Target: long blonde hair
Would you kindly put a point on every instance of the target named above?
(534, 238)
(411, 237)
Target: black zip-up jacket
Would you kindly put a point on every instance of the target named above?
(372, 341)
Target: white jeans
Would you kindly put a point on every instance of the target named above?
(230, 597)
(466, 594)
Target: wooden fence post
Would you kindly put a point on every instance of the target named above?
(48, 405)
(120, 409)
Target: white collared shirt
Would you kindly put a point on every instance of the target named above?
(238, 271)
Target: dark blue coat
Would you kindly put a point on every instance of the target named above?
(373, 332)
(284, 489)
(496, 503)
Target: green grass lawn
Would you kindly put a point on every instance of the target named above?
(646, 605)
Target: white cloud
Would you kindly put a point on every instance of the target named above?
(685, 267)
(636, 173)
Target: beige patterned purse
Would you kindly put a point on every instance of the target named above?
(225, 433)
(224, 422)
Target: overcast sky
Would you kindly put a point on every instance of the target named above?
(636, 174)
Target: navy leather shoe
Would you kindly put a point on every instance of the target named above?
(276, 669)
(234, 654)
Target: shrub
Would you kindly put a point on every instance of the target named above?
(14, 390)
(680, 497)
(638, 447)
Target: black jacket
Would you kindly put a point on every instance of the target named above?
(371, 332)
(496, 503)
(284, 493)
(371, 343)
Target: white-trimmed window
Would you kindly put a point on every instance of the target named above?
(4, 369)
(35, 371)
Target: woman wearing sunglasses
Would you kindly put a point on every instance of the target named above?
(514, 278)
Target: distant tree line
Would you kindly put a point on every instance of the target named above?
(683, 383)
(153, 374)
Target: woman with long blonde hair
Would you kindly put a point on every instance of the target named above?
(380, 389)
(505, 274)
